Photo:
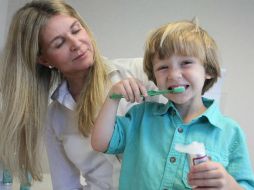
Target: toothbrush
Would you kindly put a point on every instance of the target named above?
(176, 90)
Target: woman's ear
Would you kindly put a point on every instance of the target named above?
(208, 76)
(41, 60)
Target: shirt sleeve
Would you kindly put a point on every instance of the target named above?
(124, 129)
(239, 164)
(118, 139)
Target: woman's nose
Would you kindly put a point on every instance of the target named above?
(74, 44)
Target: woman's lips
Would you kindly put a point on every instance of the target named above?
(80, 56)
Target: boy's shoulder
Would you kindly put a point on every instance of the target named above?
(219, 119)
(149, 107)
(222, 121)
(229, 124)
(214, 114)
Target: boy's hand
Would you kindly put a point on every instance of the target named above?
(130, 88)
(211, 175)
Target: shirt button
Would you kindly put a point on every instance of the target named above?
(180, 130)
(172, 159)
(173, 112)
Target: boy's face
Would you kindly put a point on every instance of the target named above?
(180, 71)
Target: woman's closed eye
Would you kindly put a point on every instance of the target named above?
(75, 31)
(58, 43)
(76, 28)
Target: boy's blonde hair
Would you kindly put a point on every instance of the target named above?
(25, 87)
(183, 38)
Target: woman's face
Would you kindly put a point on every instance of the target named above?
(66, 46)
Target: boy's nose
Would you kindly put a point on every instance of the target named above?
(174, 73)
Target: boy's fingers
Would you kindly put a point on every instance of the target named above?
(132, 89)
(138, 89)
(128, 94)
(135, 89)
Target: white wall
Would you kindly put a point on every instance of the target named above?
(121, 28)
(3, 14)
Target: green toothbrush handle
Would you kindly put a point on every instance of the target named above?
(152, 92)
(149, 92)
(116, 96)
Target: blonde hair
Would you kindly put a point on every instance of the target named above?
(184, 38)
(25, 87)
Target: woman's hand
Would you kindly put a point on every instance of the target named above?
(211, 175)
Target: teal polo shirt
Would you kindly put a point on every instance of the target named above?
(147, 136)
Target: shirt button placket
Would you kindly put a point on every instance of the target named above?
(172, 159)
(173, 112)
(180, 130)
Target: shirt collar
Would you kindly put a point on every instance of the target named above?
(212, 114)
(63, 96)
(163, 108)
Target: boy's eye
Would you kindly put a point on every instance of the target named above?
(162, 68)
(186, 62)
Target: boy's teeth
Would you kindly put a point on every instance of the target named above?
(177, 87)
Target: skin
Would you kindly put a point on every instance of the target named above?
(211, 176)
(183, 71)
(66, 46)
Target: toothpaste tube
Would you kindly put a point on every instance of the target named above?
(196, 152)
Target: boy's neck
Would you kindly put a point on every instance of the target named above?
(190, 111)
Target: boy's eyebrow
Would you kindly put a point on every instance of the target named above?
(156, 62)
(57, 37)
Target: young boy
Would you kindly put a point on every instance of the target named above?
(177, 55)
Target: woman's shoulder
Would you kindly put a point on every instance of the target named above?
(127, 67)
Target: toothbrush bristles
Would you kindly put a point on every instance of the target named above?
(179, 89)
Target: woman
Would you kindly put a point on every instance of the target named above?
(49, 45)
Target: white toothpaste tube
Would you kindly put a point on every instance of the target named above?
(196, 152)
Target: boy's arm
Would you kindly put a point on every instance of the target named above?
(104, 125)
(103, 129)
